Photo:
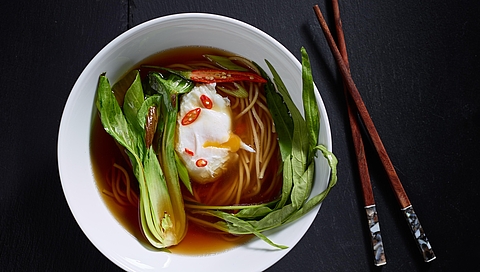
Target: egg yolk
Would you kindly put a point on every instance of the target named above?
(233, 143)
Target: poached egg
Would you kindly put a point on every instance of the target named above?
(204, 138)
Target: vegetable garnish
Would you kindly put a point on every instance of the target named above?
(159, 169)
(162, 214)
(191, 116)
(225, 63)
(237, 90)
(206, 101)
(214, 75)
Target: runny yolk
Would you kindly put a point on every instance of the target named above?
(233, 143)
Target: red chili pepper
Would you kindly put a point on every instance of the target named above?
(189, 152)
(206, 101)
(201, 163)
(213, 75)
(191, 116)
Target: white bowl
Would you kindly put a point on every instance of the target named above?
(120, 55)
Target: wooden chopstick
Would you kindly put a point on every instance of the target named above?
(401, 196)
(379, 257)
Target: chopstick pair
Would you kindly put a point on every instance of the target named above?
(356, 107)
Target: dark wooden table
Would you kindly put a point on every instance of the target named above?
(416, 64)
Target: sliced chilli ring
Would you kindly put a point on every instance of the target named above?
(189, 152)
(201, 163)
(206, 101)
(191, 116)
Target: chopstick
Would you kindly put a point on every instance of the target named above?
(369, 201)
(401, 196)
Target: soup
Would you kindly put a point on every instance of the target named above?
(250, 177)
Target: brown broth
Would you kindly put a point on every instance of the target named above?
(105, 152)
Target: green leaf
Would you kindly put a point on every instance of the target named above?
(281, 88)
(169, 87)
(225, 63)
(275, 218)
(114, 121)
(134, 99)
(280, 115)
(287, 182)
(199, 206)
(312, 114)
(183, 173)
(282, 120)
(253, 213)
(302, 187)
(314, 201)
(299, 161)
(236, 90)
(332, 162)
(142, 112)
(239, 226)
(300, 143)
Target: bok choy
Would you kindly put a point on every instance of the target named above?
(162, 214)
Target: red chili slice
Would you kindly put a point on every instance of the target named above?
(189, 152)
(201, 163)
(191, 116)
(206, 101)
(213, 75)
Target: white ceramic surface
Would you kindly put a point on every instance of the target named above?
(116, 58)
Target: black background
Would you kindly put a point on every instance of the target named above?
(416, 64)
